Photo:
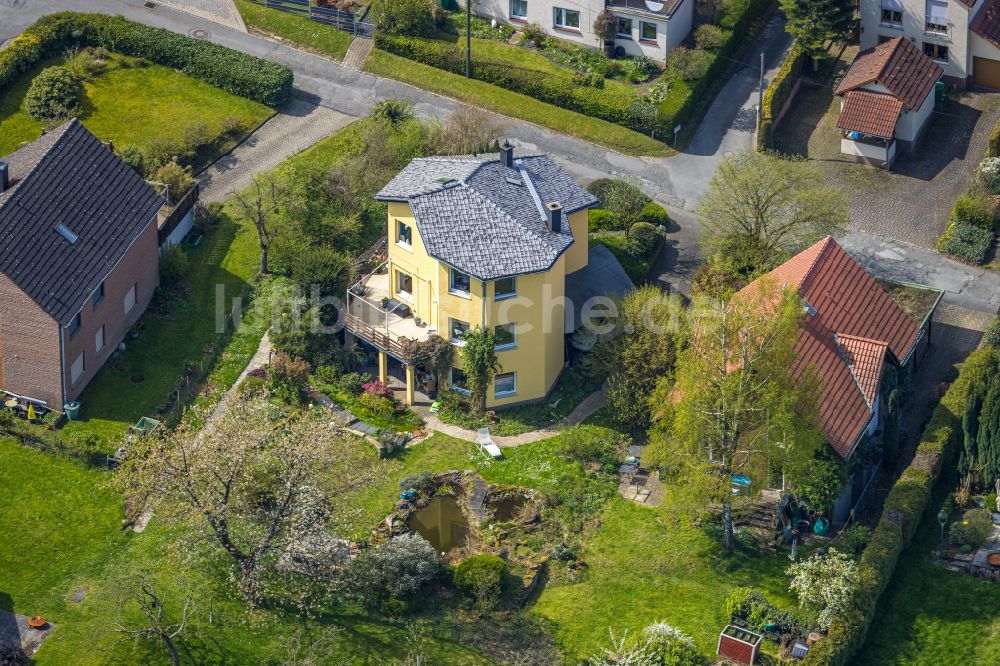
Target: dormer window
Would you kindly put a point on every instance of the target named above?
(460, 283)
(404, 235)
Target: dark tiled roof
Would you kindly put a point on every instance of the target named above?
(968, 3)
(665, 8)
(853, 323)
(870, 113)
(987, 22)
(68, 177)
(899, 66)
(479, 216)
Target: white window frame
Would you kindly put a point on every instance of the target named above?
(130, 295)
(560, 15)
(937, 51)
(512, 326)
(500, 296)
(513, 12)
(406, 245)
(458, 342)
(77, 370)
(452, 289)
(402, 293)
(99, 340)
(453, 386)
(656, 32)
(618, 27)
(504, 394)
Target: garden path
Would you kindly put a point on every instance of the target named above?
(260, 358)
(223, 12)
(583, 411)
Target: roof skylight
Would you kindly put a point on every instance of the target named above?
(67, 234)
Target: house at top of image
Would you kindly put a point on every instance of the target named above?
(494, 241)
(887, 101)
(79, 261)
(862, 344)
(963, 36)
(645, 27)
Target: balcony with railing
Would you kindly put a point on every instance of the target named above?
(937, 25)
(374, 315)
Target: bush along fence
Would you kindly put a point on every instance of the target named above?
(903, 511)
(567, 92)
(235, 72)
(779, 95)
(349, 22)
(972, 225)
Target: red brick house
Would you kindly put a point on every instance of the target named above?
(854, 334)
(78, 261)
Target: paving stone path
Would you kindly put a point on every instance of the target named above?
(357, 53)
(223, 12)
(297, 126)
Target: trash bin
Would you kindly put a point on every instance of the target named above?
(72, 410)
(938, 92)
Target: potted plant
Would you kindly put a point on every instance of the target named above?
(385, 302)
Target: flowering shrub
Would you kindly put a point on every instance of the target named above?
(973, 529)
(260, 373)
(379, 390)
(825, 584)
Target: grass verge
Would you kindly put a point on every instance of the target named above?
(522, 107)
(297, 30)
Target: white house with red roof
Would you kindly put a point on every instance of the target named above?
(887, 99)
(853, 335)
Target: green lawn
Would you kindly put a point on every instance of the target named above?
(494, 98)
(636, 267)
(929, 616)
(135, 105)
(297, 30)
(644, 566)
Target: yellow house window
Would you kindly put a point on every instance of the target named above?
(459, 283)
(457, 381)
(404, 285)
(458, 329)
(505, 384)
(506, 336)
(505, 288)
(404, 234)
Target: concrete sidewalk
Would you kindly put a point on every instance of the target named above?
(297, 126)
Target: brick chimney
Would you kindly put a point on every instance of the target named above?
(507, 154)
(554, 210)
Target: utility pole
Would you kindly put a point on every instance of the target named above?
(468, 39)
(760, 92)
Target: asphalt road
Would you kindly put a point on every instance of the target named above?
(678, 181)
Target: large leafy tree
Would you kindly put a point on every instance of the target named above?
(813, 23)
(761, 207)
(737, 405)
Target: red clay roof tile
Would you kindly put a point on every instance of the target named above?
(897, 65)
(987, 23)
(870, 113)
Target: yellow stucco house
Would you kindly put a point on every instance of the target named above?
(490, 240)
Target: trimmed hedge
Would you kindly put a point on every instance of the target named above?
(993, 147)
(233, 71)
(778, 92)
(904, 509)
(966, 241)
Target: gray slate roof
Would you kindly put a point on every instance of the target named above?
(69, 177)
(484, 220)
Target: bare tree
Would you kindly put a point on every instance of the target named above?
(249, 481)
(159, 626)
(467, 130)
(260, 206)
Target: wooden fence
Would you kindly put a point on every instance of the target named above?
(354, 24)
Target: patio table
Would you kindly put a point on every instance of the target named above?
(626, 469)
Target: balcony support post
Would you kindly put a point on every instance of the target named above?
(411, 382)
(383, 367)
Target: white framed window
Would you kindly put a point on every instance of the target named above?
(459, 283)
(519, 9)
(74, 325)
(99, 339)
(567, 19)
(505, 288)
(624, 29)
(892, 13)
(936, 20)
(76, 370)
(937, 52)
(404, 235)
(98, 295)
(458, 382)
(505, 384)
(404, 285)
(457, 330)
(505, 336)
(647, 31)
(129, 302)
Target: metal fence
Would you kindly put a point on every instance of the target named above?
(349, 22)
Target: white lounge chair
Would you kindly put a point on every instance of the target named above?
(486, 443)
